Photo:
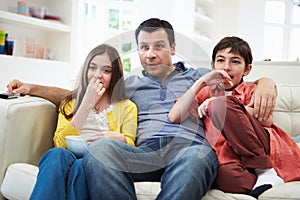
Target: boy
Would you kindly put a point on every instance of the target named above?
(246, 147)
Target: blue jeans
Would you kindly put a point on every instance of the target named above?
(185, 169)
(61, 176)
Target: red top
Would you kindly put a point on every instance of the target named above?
(284, 153)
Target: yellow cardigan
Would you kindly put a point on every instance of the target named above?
(122, 118)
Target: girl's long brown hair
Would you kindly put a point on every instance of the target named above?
(116, 88)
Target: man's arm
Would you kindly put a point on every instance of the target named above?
(53, 94)
(263, 99)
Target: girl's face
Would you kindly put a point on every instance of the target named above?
(101, 68)
(233, 64)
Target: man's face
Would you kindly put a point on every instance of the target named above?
(156, 53)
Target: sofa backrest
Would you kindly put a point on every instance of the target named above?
(287, 109)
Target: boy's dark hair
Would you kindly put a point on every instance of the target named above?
(237, 45)
(153, 24)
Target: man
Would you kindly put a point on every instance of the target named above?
(175, 155)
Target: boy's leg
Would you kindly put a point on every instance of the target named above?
(248, 139)
(234, 178)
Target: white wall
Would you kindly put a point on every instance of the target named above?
(35, 71)
(280, 72)
(231, 17)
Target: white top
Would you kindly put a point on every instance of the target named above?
(96, 123)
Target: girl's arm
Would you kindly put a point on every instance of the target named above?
(64, 128)
(93, 94)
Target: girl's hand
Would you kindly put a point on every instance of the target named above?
(203, 108)
(93, 93)
(107, 134)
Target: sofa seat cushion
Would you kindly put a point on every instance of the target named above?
(20, 178)
(19, 181)
(218, 194)
(285, 191)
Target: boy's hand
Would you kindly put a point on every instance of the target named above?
(203, 108)
(215, 77)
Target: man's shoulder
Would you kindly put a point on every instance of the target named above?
(195, 72)
(201, 70)
(133, 79)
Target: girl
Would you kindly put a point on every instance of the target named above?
(246, 147)
(96, 109)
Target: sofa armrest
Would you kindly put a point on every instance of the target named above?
(27, 125)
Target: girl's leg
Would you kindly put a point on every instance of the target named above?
(54, 167)
(77, 184)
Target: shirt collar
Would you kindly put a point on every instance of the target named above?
(179, 68)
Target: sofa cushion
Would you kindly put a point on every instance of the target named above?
(20, 178)
(285, 191)
(19, 181)
(287, 109)
(218, 194)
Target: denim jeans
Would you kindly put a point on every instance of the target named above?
(185, 169)
(61, 176)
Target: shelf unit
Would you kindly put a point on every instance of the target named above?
(55, 35)
(204, 23)
(59, 36)
(43, 25)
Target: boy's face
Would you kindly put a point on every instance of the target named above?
(233, 64)
(156, 53)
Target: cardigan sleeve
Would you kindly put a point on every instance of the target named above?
(129, 127)
(64, 128)
(124, 120)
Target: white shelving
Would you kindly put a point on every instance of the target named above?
(204, 23)
(59, 36)
(20, 20)
(54, 35)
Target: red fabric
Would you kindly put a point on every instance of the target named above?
(284, 152)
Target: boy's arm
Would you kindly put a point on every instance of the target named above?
(263, 99)
(53, 94)
(180, 110)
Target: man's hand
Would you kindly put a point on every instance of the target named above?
(263, 99)
(16, 87)
(53, 94)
